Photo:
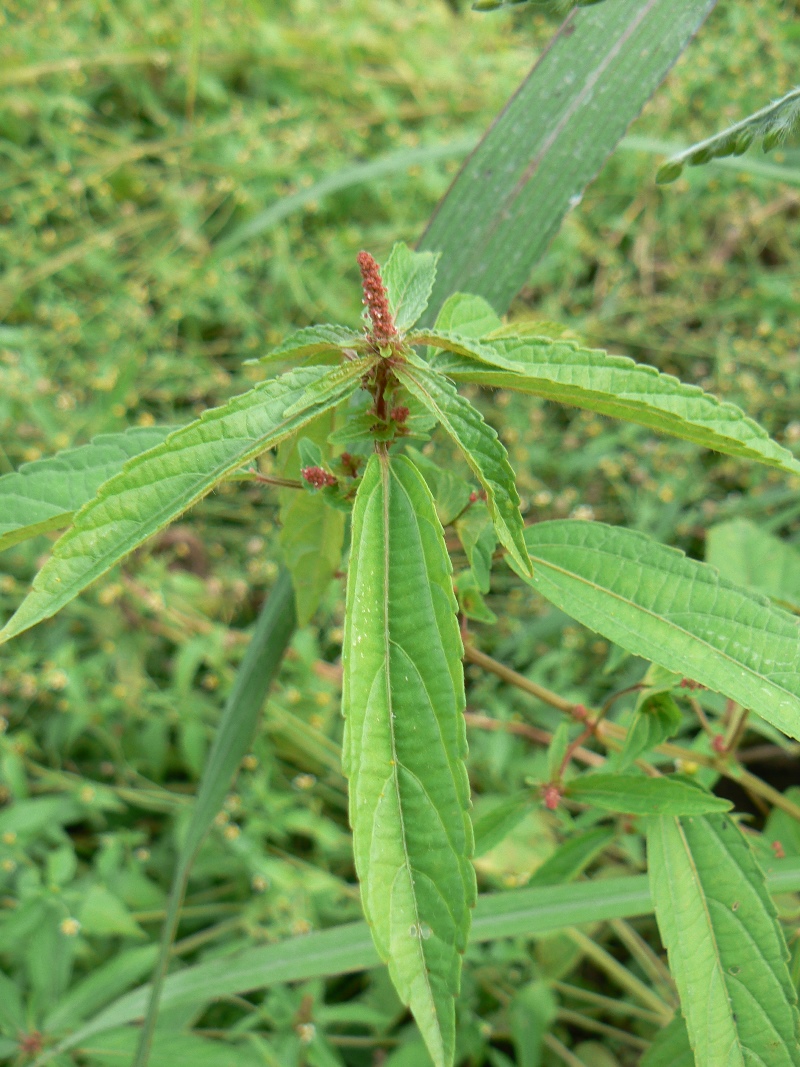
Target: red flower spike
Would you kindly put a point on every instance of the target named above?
(551, 795)
(399, 414)
(580, 712)
(317, 477)
(376, 299)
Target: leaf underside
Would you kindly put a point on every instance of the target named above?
(482, 450)
(44, 494)
(156, 487)
(656, 603)
(405, 743)
(726, 949)
(611, 385)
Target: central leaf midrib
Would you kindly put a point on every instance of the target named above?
(386, 481)
(668, 622)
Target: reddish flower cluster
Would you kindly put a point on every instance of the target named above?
(688, 683)
(317, 477)
(376, 299)
(400, 413)
(551, 795)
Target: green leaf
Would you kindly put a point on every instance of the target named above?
(12, 1012)
(482, 450)
(105, 915)
(563, 371)
(314, 341)
(470, 600)
(102, 985)
(671, 1047)
(726, 950)
(44, 494)
(500, 820)
(409, 278)
(312, 539)
(745, 554)
(551, 139)
(657, 717)
(331, 384)
(531, 1012)
(349, 948)
(476, 533)
(573, 857)
(155, 488)
(405, 743)
(450, 491)
(468, 316)
(635, 794)
(674, 611)
(171, 1049)
(772, 124)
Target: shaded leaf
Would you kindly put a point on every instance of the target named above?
(314, 341)
(476, 533)
(745, 554)
(405, 743)
(409, 278)
(155, 488)
(674, 611)
(500, 820)
(670, 1048)
(635, 794)
(44, 494)
(531, 1012)
(468, 316)
(573, 857)
(656, 718)
(563, 371)
(482, 450)
(450, 491)
(726, 950)
(312, 540)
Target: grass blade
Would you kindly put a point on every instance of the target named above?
(348, 948)
(550, 141)
(234, 735)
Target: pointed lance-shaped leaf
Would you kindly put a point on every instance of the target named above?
(43, 495)
(156, 487)
(405, 743)
(481, 447)
(409, 278)
(314, 341)
(636, 794)
(674, 611)
(726, 950)
(563, 371)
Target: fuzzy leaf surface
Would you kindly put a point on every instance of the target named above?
(656, 603)
(635, 794)
(726, 949)
(482, 450)
(43, 495)
(156, 487)
(409, 278)
(744, 553)
(404, 745)
(313, 341)
(617, 386)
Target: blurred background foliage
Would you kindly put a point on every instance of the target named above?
(139, 140)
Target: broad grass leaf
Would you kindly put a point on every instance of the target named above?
(677, 612)
(636, 794)
(405, 743)
(726, 949)
(549, 142)
(482, 450)
(44, 494)
(565, 372)
(314, 341)
(409, 278)
(156, 487)
(743, 553)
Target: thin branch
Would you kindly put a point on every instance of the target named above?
(532, 733)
